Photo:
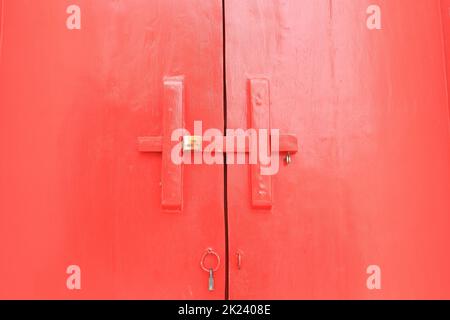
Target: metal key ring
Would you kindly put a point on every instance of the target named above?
(208, 252)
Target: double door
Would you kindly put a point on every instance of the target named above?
(93, 204)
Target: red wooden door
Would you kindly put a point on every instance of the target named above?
(91, 92)
(78, 85)
(363, 87)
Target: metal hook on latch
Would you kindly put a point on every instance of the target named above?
(288, 158)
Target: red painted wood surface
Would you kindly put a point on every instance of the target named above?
(74, 189)
(370, 183)
(445, 7)
(84, 147)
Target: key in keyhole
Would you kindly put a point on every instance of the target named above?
(211, 280)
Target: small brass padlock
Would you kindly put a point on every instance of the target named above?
(192, 143)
